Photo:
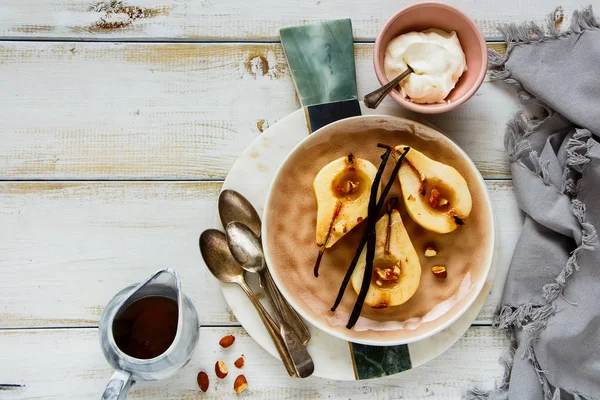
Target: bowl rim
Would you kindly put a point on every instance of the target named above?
(322, 326)
(429, 108)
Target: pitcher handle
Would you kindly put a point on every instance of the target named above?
(118, 386)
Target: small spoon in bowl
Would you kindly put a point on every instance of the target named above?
(373, 99)
(220, 262)
(247, 250)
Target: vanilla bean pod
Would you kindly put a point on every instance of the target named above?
(363, 241)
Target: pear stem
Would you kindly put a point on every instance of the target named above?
(387, 147)
(363, 241)
(336, 212)
(319, 257)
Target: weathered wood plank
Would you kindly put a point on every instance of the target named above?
(234, 20)
(176, 111)
(68, 247)
(28, 359)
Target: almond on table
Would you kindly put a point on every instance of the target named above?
(240, 384)
(227, 341)
(239, 363)
(220, 369)
(203, 381)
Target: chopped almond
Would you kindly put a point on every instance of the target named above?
(439, 271)
(430, 251)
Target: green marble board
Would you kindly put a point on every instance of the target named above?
(321, 59)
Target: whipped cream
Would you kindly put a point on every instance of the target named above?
(435, 56)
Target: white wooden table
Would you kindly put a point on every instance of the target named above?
(118, 122)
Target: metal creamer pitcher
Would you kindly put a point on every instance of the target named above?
(165, 283)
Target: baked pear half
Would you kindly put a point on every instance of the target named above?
(343, 190)
(396, 267)
(436, 195)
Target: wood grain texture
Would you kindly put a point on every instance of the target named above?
(180, 111)
(68, 247)
(177, 111)
(28, 359)
(235, 20)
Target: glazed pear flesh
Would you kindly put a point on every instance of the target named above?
(436, 195)
(394, 255)
(342, 189)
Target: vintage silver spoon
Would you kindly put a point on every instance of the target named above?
(220, 262)
(233, 206)
(247, 250)
(373, 99)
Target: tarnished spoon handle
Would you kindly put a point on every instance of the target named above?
(301, 358)
(286, 310)
(303, 363)
(373, 99)
(272, 328)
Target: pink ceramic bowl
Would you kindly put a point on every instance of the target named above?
(426, 15)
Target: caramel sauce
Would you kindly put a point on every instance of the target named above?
(350, 184)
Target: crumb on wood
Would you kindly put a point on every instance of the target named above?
(260, 125)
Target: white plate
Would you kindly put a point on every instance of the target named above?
(334, 358)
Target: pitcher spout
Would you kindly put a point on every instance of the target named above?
(164, 282)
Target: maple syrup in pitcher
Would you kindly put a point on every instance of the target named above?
(147, 327)
(148, 331)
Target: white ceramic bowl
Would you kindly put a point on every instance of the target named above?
(290, 254)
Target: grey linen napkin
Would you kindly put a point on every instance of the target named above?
(551, 300)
